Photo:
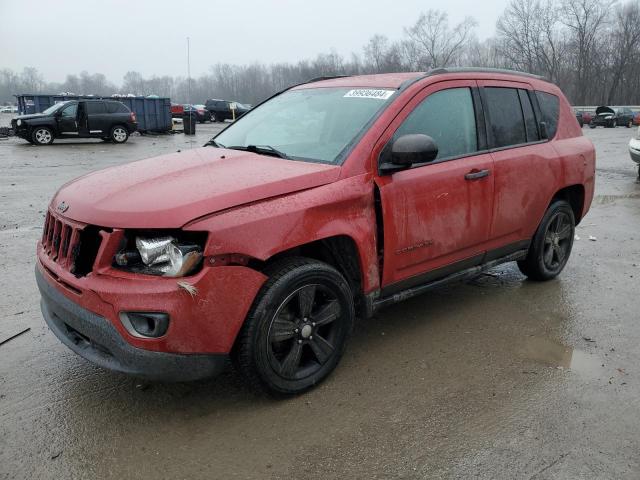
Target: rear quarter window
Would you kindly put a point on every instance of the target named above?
(550, 109)
(116, 107)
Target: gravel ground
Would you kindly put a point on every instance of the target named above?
(496, 378)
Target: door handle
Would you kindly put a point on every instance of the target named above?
(476, 174)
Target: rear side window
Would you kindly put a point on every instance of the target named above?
(449, 118)
(95, 108)
(507, 121)
(116, 107)
(550, 108)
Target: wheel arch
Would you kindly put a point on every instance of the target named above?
(575, 196)
(339, 251)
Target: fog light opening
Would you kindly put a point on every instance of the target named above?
(145, 324)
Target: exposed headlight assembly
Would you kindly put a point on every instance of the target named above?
(164, 256)
(19, 122)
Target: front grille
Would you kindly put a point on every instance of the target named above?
(66, 242)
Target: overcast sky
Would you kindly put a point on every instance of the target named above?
(112, 37)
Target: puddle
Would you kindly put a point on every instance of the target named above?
(555, 354)
(509, 277)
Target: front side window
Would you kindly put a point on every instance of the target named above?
(507, 121)
(448, 117)
(314, 124)
(54, 108)
(70, 111)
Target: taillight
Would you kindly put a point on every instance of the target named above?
(133, 117)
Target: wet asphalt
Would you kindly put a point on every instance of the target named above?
(499, 377)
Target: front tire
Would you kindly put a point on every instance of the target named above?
(119, 134)
(297, 329)
(552, 243)
(42, 136)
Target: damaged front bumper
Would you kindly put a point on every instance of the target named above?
(94, 338)
(85, 314)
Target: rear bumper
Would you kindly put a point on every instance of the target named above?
(94, 338)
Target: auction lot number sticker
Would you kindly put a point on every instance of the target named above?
(369, 93)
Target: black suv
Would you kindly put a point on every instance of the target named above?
(220, 110)
(109, 120)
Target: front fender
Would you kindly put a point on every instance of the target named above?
(264, 229)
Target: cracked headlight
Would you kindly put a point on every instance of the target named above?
(165, 256)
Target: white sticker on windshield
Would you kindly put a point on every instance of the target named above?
(369, 93)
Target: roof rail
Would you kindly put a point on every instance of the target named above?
(326, 77)
(438, 71)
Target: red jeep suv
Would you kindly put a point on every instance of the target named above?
(326, 202)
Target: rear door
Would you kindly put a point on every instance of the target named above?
(525, 165)
(437, 215)
(98, 119)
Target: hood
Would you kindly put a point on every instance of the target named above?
(171, 190)
(31, 117)
(605, 111)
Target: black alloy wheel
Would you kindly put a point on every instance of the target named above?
(303, 332)
(296, 331)
(552, 243)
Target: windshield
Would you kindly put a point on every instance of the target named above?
(309, 124)
(54, 108)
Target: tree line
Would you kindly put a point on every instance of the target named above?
(590, 48)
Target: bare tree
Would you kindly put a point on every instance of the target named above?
(436, 43)
(530, 38)
(586, 20)
(626, 35)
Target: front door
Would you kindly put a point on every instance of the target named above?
(68, 120)
(437, 215)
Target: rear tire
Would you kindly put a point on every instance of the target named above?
(213, 118)
(119, 134)
(42, 136)
(297, 329)
(552, 243)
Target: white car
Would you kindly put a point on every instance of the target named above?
(634, 149)
(8, 109)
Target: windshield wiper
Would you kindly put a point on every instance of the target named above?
(213, 143)
(261, 150)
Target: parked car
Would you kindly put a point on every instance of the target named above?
(610, 118)
(106, 119)
(327, 202)
(605, 117)
(203, 114)
(177, 110)
(7, 109)
(634, 150)
(624, 117)
(580, 119)
(587, 117)
(220, 110)
(636, 118)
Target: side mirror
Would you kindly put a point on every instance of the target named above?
(409, 149)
